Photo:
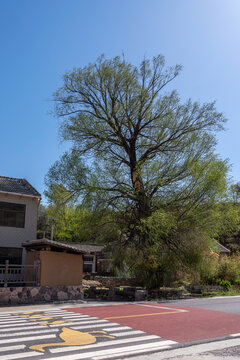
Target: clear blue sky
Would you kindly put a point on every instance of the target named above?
(42, 39)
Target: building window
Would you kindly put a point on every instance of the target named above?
(12, 215)
(13, 255)
(88, 264)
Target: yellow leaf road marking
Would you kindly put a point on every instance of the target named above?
(161, 313)
(31, 316)
(23, 313)
(73, 338)
(42, 318)
(55, 322)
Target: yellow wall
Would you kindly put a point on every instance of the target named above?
(58, 268)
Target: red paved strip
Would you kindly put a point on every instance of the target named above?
(195, 324)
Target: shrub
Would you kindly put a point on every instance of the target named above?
(208, 270)
(85, 292)
(225, 284)
(228, 268)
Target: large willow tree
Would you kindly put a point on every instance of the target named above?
(136, 149)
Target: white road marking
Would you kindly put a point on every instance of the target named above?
(199, 349)
(160, 307)
(66, 315)
(13, 321)
(74, 316)
(86, 355)
(36, 325)
(27, 323)
(127, 333)
(73, 322)
(12, 325)
(109, 343)
(119, 328)
(10, 348)
(92, 326)
(20, 355)
(29, 332)
(28, 327)
(235, 335)
(78, 318)
(28, 338)
(132, 352)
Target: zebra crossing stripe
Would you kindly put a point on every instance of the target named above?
(20, 355)
(11, 348)
(116, 350)
(93, 326)
(131, 352)
(28, 327)
(81, 322)
(111, 342)
(12, 325)
(13, 321)
(119, 328)
(73, 316)
(28, 338)
(35, 325)
(127, 333)
(29, 332)
(81, 319)
(70, 321)
(66, 315)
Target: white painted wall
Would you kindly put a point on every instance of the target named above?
(14, 237)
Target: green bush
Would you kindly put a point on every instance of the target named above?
(228, 268)
(225, 284)
(208, 270)
(85, 292)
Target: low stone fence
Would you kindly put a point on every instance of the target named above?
(131, 293)
(167, 293)
(116, 294)
(111, 282)
(40, 294)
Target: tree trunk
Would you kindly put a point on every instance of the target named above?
(142, 201)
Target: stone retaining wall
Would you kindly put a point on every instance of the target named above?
(40, 294)
(111, 282)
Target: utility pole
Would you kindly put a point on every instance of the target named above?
(52, 221)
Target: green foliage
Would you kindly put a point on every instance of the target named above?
(209, 269)
(225, 219)
(213, 270)
(85, 292)
(229, 268)
(79, 224)
(141, 164)
(225, 284)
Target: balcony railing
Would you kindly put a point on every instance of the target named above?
(18, 274)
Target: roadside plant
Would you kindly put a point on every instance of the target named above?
(225, 284)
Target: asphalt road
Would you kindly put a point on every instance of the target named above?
(228, 304)
(184, 329)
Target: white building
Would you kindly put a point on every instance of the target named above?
(19, 203)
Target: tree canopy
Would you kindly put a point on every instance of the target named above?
(137, 149)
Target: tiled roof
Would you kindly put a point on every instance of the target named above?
(77, 248)
(17, 186)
